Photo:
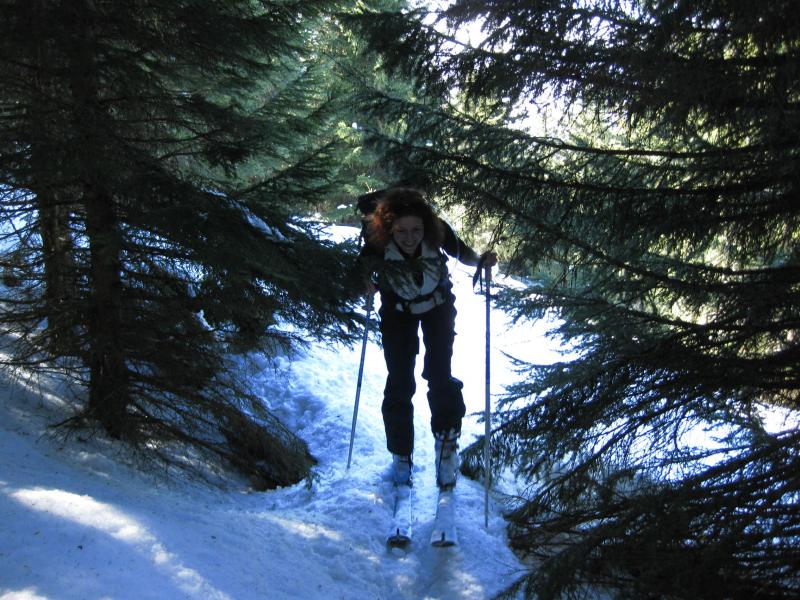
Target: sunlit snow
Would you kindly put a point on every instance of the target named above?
(78, 523)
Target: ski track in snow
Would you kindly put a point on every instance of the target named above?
(78, 521)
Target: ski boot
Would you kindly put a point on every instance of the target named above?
(401, 469)
(447, 460)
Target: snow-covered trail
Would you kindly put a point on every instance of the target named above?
(75, 523)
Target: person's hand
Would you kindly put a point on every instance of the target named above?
(488, 259)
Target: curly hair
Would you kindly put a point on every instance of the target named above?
(403, 202)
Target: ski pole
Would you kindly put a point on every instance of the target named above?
(487, 417)
(360, 375)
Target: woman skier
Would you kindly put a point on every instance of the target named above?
(405, 252)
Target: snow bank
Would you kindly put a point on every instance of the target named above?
(77, 522)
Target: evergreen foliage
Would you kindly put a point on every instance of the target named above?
(362, 169)
(157, 159)
(642, 159)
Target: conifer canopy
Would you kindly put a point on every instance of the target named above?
(639, 160)
(157, 162)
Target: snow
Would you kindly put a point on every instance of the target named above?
(79, 521)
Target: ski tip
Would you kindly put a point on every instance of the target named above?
(440, 539)
(398, 539)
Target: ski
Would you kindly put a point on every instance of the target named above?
(402, 514)
(444, 525)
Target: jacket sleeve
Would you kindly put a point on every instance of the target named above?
(458, 248)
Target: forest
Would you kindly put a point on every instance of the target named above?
(166, 167)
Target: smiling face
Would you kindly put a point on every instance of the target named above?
(407, 233)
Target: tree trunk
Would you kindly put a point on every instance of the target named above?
(59, 292)
(108, 377)
(108, 393)
(47, 183)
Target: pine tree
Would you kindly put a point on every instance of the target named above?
(157, 160)
(356, 73)
(655, 215)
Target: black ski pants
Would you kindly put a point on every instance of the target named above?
(399, 333)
